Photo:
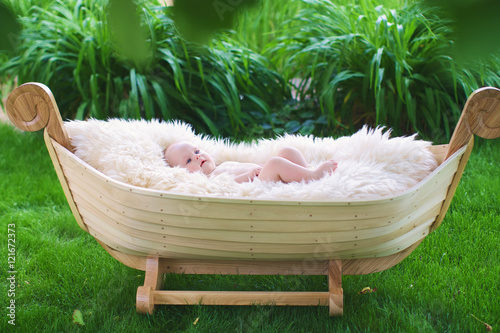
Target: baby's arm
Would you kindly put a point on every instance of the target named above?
(242, 172)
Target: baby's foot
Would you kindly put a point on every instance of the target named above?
(325, 168)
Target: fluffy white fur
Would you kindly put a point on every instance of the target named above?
(371, 164)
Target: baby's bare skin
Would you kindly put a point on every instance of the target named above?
(288, 166)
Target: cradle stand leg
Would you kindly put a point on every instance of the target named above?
(152, 281)
(336, 293)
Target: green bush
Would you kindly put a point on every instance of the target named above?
(364, 63)
(71, 46)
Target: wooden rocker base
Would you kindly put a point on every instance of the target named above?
(150, 294)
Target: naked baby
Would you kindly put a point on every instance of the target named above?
(289, 166)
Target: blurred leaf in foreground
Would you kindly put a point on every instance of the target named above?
(128, 34)
(9, 29)
(477, 26)
(197, 19)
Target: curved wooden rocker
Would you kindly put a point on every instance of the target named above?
(159, 232)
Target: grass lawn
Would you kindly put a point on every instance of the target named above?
(454, 274)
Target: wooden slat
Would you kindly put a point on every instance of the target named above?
(270, 251)
(240, 298)
(245, 267)
(247, 245)
(160, 233)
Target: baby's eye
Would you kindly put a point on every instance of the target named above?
(197, 151)
(188, 161)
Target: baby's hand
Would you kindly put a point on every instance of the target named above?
(253, 173)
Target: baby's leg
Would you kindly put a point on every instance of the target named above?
(293, 155)
(280, 169)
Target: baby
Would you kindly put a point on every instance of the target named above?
(288, 166)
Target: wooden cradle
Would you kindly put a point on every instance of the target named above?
(159, 232)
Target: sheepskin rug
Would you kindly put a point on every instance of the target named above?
(371, 163)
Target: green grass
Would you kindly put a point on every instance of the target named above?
(454, 273)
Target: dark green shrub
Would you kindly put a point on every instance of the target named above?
(364, 63)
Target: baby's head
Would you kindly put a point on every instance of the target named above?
(190, 157)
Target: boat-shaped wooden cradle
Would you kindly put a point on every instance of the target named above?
(160, 232)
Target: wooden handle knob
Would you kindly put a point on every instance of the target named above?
(27, 110)
(31, 107)
(481, 116)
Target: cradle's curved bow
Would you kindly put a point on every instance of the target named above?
(31, 107)
(481, 116)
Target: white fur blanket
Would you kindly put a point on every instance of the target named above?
(371, 164)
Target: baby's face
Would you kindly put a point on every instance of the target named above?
(187, 155)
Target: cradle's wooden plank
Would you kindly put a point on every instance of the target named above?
(245, 267)
(161, 222)
(310, 266)
(398, 244)
(160, 233)
(116, 243)
(180, 297)
(244, 245)
(124, 242)
(141, 248)
(155, 222)
(88, 209)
